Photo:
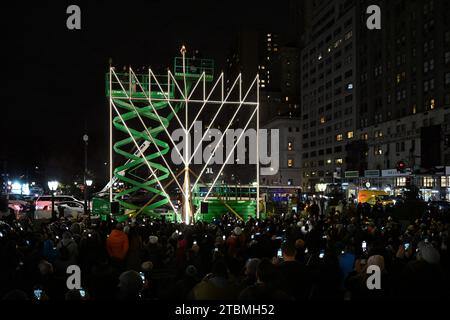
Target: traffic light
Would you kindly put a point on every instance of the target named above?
(401, 166)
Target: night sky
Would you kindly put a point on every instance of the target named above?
(54, 77)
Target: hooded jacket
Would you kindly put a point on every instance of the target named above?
(117, 244)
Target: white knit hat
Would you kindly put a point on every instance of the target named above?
(153, 239)
(237, 231)
(428, 253)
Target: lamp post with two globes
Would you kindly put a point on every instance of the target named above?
(53, 186)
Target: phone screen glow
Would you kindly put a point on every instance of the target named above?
(38, 294)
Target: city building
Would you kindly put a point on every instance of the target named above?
(420, 142)
(407, 77)
(328, 99)
(374, 98)
(277, 63)
(289, 171)
(403, 95)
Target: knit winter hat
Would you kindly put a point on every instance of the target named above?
(237, 231)
(428, 253)
(153, 239)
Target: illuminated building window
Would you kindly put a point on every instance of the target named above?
(287, 99)
(339, 137)
(322, 120)
(290, 146)
(428, 182)
(400, 181)
(432, 104)
(445, 182)
(364, 136)
(337, 43)
(339, 161)
(414, 109)
(290, 163)
(350, 135)
(378, 151)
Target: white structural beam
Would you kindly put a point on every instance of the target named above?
(148, 132)
(222, 137)
(166, 98)
(110, 136)
(215, 117)
(257, 148)
(186, 98)
(205, 101)
(228, 157)
(200, 101)
(142, 155)
(187, 191)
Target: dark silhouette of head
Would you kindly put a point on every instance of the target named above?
(220, 269)
(266, 272)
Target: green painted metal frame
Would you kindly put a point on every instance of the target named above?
(129, 112)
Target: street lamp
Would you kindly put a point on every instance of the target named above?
(53, 186)
(322, 187)
(88, 184)
(85, 139)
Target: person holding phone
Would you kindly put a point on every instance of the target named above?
(322, 254)
(280, 254)
(235, 242)
(295, 280)
(76, 295)
(364, 246)
(38, 293)
(130, 286)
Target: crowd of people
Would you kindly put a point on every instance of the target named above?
(307, 256)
